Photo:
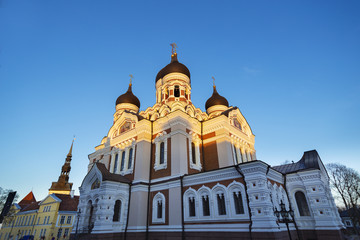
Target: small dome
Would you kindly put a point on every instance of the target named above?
(172, 67)
(128, 97)
(216, 99)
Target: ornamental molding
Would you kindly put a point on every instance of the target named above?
(208, 177)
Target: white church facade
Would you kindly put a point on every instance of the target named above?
(176, 172)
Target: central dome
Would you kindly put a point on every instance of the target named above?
(173, 67)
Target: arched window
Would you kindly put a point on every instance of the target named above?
(302, 204)
(158, 209)
(117, 211)
(116, 163)
(130, 158)
(177, 91)
(192, 207)
(220, 198)
(162, 153)
(238, 202)
(205, 205)
(193, 153)
(122, 161)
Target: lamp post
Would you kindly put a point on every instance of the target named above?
(284, 216)
(77, 223)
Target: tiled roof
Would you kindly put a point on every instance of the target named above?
(28, 199)
(108, 176)
(310, 160)
(68, 203)
(31, 206)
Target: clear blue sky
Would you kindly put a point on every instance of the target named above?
(292, 67)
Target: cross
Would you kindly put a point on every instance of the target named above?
(213, 81)
(131, 77)
(74, 138)
(174, 46)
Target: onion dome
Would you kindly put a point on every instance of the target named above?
(172, 67)
(216, 99)
(128, 97)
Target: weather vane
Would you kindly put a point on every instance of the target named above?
(213, 80)
(131, 77)
(74, 138)
(174, 46)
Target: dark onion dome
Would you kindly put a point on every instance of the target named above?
(216, 99)
(128, 97)
(173, 66)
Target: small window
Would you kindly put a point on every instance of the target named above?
(48, 219)
(116, 163)
(130, 158)
(191, 206)
(117, 211)
(239, 207)
(159, 209)
(193, 153)
(59, 233)
(162, 153)
(122, 161)
(66, 232)
(177, 91)
(62, 220)
(221, 204)
(68, 220)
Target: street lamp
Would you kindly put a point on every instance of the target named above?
(284, 216)
(77, 223)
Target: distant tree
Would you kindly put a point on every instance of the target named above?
(346, 183)
(3, 196)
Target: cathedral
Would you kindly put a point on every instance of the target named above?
(176, 172)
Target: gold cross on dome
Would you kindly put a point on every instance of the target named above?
(174, 46)
(131, 77)
(213, 81)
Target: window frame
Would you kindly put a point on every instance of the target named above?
(161, 138)
(158, 197)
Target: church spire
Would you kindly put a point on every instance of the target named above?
(62, 186)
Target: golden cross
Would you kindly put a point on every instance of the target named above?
(131, 77)
(174, 46)
(213, 81)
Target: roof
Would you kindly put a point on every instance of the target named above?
(216, 99)
(68, 203)
(31, 206)
(173, 66)
(128, 97)
(347, 213)
(310, 160)
(28, 199)
(108, 176)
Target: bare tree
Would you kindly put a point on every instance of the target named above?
(346, 183)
